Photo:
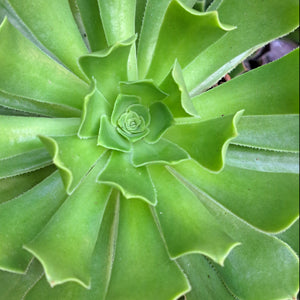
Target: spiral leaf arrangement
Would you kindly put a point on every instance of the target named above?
(113, 179)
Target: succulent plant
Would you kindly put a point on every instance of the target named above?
(123, 174)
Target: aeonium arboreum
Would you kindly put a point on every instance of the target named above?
(113, 182)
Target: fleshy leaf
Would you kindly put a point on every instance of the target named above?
(272, 132)
(121, 104)
(73, 235)
(133, 182)
(95, 105)
(73, 157)
(91, 23)
(22, 66)
(178, 100)
(108, 67)
(205, 281)
(214, 63)
(12, 187)
(55, 28)
(186, 224)
(25, 162)
(141, 261)
(270, 89)
(206, 142)
(146, 90)
(184, 34)
(161, 152)
(109, 137)
(262, 160)
(23, 217)
(19, 134)
(161, 120)
(268, 201)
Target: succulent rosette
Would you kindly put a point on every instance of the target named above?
(113, 179)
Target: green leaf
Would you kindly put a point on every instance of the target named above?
(100, 269)
(270, 89)
(206, 142)
(118, 19)
(73, 157)
(95, 105)
(22, 68)
(268, 201)
(23, 217)
(73, 235)
(55, 28)
(108, 67)
(272, 132)
(109, 137)
(276, 18)
(15, 286)
(12, 187)
(161, 120)
(146, 90)
(27, 105)
(133, 182)
(262, 160)
(90, 16)
(186, 224)
(184, 34)
(24, 163)
(161, 152)
(141, 261)
(178, 99)
(19, 134)
(204, 279)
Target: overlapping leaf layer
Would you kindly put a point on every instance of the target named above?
(122, 177)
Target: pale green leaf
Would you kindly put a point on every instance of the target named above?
(55, 28)
(133, 182)
(19, 134)
(206, 142)
(71, 261)
(22, 218)
(186, 224)
(26, 71)
(73, 157)
(270, 89)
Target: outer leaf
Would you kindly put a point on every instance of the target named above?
(274, 132)
(101, 267)
(73, 236)
(73, 157)
(55, 28)
(204, 279)
(270, 89)
(109, 67)
(133, 182)
(25, 162)
(268, 201)
(12, 187)
(252, 271)
(277, 18)
(19, 134)
(161, 152)
(184, 34)
(22, 64)
(141, 254)
(206, 142)
(186, 224)
(262, 160)
(23, 217)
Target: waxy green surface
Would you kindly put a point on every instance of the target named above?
(123, 176)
